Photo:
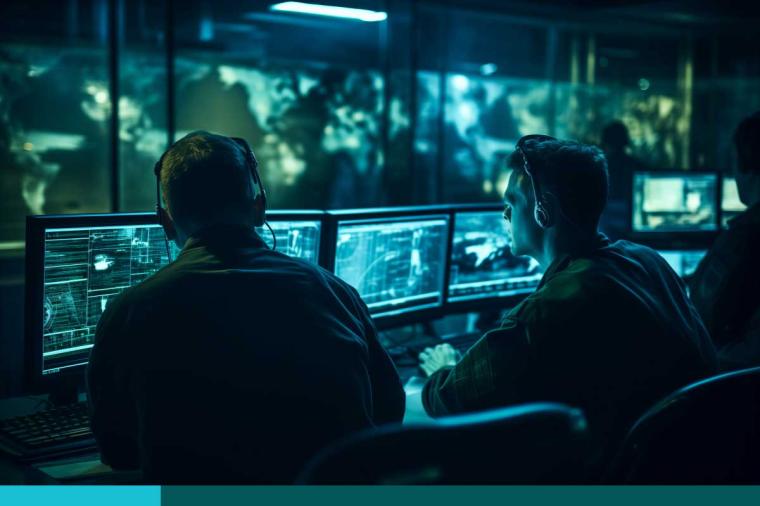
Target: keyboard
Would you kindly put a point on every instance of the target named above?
(50, 433)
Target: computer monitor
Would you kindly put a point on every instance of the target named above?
(684, 262)
(482, 263)
(730, 205)
(298, 233)
(397, 263)
(675, 202)
(77, 264)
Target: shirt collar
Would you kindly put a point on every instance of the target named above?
(561, 263)
(225, 236)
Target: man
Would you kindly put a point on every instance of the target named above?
(724, 287)
(616, 220)
(234, 363)
(609, 328)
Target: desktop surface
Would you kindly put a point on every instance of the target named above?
(674, 202)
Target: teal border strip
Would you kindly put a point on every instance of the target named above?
(461, 496)
(377, 496)
(75, 495)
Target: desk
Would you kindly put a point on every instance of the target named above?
(81, 468)
(415, 412)
(87, 468)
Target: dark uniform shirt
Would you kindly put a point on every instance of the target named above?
(235, 363)
(609, 330)
(726, 291)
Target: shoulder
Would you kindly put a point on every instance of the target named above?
(121, 310)
(587, 282)
(340, 286)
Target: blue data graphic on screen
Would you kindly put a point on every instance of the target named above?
(672, 203)
(395, 265)
(482, 263)
(299, 239)
(85, 268)
(683, 262)
(731, 206)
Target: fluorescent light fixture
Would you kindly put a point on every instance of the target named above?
(488, 69)
(460, 82)
(330, 10)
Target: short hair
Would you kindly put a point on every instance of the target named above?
(206, 180)
(615, 134)
(747, 141)
(575, 173)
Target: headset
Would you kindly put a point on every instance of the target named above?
(260, 194)
(541, 207)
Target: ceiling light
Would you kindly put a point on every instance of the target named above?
(330, 10)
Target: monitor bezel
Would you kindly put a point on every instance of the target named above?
(657, 235)
(413, 315)
(302, 215)
(36, 225)
(34, 288)
(482, 303)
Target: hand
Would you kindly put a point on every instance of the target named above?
(433, 359)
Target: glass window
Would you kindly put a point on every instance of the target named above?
(492, 73)
(652, 117)
(54, 111)
(307, 92)
(142, 103)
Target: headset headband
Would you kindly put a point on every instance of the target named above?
(250, 160)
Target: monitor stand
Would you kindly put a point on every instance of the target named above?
(65, 391)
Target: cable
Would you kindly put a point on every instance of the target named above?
(168, 250)
(274, 237)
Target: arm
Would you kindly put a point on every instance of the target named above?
(112, 411)
(388, 396)
(494, 372)
(744, 352)
(722, 288)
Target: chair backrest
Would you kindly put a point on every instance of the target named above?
(706, 432)
(532, 443)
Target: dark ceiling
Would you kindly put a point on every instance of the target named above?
(683, 12)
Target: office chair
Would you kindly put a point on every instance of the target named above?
(706, 432)
(532, 443)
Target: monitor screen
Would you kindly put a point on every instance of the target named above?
(396, 265)
(482, 263)
(683, 262)
(295, 238)
(84, 269)
(668, 202)
(731, 206)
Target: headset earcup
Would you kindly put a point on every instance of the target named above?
(541, 215)
(259, 210)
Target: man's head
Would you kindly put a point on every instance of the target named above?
(208, 180)
(747, 142)
(615, 137)
(571, 184)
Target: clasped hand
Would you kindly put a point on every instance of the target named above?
(433, 359)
